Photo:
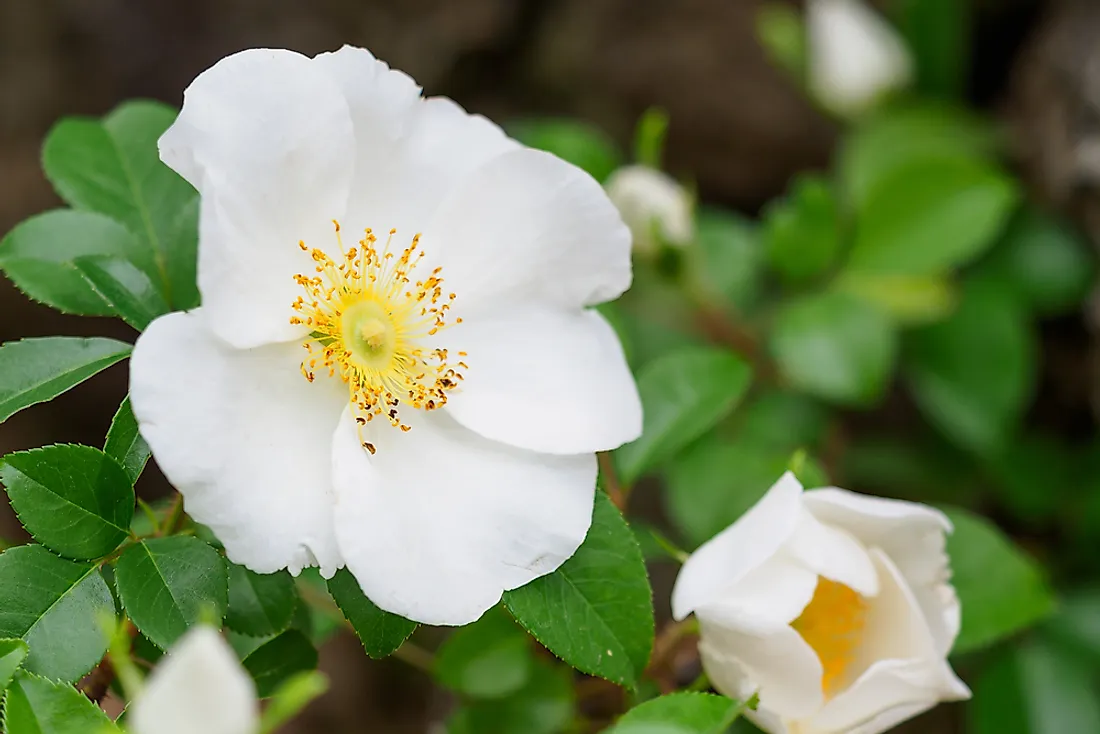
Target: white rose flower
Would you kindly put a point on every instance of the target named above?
(421, 402)
(854, 55)
(653, 205)
(199, 688)
(836, 608)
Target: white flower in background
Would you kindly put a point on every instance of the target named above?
(855, 56)
(654, 206)
(836, 608)
(198, 688)
(417, 392)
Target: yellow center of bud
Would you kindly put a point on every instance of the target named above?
(369, 318)
(832, 624)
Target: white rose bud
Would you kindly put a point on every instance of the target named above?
(653, 205)
(835, 608)
(199, 688)
(854, 55)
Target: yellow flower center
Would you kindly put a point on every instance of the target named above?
(832, 624)
(369, 317)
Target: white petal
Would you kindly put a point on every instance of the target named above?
(832, 553)
(913, 535)
(780, 666)
(198, 687)
(401, 183)
(653, 204)
(728, 557)
(244, 438)
(897, 663)
(265, 136)
(529, 226)
(546, 379)
(767, 599)
(440, 521)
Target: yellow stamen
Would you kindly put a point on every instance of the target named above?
(832, 624)
(368, 318)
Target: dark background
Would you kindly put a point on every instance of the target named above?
(739, 128)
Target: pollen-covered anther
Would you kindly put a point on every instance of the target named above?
(368, 319)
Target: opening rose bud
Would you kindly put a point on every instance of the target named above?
(834, 607)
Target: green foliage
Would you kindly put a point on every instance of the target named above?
(1044, 262)
(75, 500)
(56, 607)
(490, 658)
(835, 347)
(729, 259)
(128, 291)
(111, 166)
(169, 584)
(125, 444)
(293, 695)
(802, 231)
(276, 661)
(1037, 688)
(680, 713)
(684, 393)
(974, 373)
(37, 370)
(906, 299)
(40, 257)
(1002, 590)
(596, 611)
(938, 34)
(12, 654)
(781, 32)
(380, 632)
(36, 705)
(260, 604)
(543, 706)
(930, 214)
(583, 145)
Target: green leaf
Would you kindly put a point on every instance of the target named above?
(129, 291)
(835, 347)
(1035, 688)
(380, 632)
(1001, 589)
(113, 167)
(260, 604)
(169, 584)
(684, 394)
(56, 607)
(75, 500)
(679, 713)
(35, 705)
(596, 611)
(897, 136)
(938, 34)
(36, 370)
(125, 444)
(714, 482)
(802, 230)
(973, 374)
(544, 706)
(931, 214)
(490, 658)
(40, 256)
(729, 258)
(783, 420)
(1077, 623)
(579, 143)
(12, 655)
(908, 300)
(1047, 264)
(279, 659)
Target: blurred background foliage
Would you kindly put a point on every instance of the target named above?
(909, 286)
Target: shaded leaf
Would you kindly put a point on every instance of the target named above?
(278, 660)
(380, 632)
